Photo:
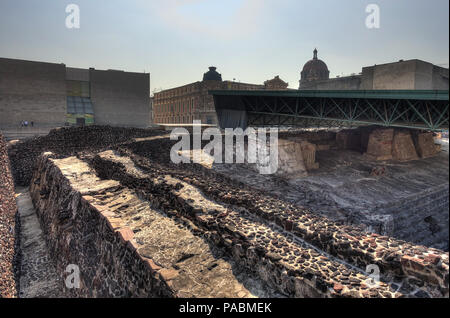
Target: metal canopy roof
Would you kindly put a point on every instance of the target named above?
(422, 109)
(372, 94)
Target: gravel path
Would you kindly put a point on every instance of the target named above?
(38, 276)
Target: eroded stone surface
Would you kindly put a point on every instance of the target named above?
(123, 246)
(257, 243)
(108, 222)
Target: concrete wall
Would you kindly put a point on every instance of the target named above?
(77, 74)
(120, 98)
(338, 83)
(440, 77)
(367, 78)
(395, 75)
(411, 74)
(423, 75)
(32, 91)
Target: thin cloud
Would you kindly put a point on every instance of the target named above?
(244, 21)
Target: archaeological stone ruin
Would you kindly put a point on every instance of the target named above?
(349, 213)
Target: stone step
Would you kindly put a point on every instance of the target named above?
(437, 193)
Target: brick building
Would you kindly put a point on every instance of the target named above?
(192, 102)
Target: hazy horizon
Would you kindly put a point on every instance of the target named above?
(247, 40)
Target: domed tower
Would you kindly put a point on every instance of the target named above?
(212, 75)
(314, 70)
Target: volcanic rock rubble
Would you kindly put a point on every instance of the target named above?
(8, 210)
(63, 142)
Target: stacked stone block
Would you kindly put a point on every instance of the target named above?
(382, 144)
(296, 157)
(403, 146)
(425, 145)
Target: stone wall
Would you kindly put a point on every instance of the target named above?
(67, 141)
(425, 145)
(32, 91)
(403, 148)
(296, 158)
(381, 144)
(78, 233)
(120, 98)
(425, 212)
(124, 247)
(8, 226)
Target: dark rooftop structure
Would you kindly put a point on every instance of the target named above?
(212, 75)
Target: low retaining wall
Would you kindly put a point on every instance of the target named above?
(8, 226)
(79, 234)
(425, 213)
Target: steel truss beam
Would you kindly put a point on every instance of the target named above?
(286, 110)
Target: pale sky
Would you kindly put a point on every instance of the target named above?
(250, 40)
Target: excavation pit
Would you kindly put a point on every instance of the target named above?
(139, 225)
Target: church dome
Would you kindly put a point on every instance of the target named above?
(212, 75)
(314, 70)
